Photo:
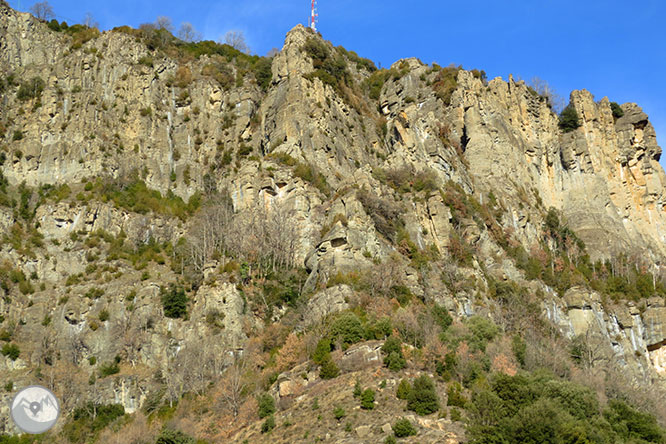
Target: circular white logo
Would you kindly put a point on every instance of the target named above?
(35, 409)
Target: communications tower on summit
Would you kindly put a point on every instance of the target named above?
(313, 16)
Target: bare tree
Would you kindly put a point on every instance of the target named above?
(545, 90)
(43, 11)
(590, 349)
(236, 39)
(89, 21)
(164, 22)
(173, 378)
(235, 384)
(273, 52)
(187, 33)
(209, 232)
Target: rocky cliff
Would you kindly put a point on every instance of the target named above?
(132, 162)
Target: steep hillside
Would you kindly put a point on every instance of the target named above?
(188, 229)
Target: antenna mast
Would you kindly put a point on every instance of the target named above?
(313, 16)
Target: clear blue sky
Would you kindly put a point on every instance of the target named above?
(614, 48)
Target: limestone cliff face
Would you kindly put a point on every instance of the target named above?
(604, 176)
(305, 155)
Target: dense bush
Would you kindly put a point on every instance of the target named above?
(174, 301)
(12, 351)
(348, 329)
(339, 413)
(569, 119)
(393, 357)
(134, 195)
(313, 176)
(90, 419)
(441, 316)
(266, 405)
(630, 424)
(322, 357)
(454, 396)
(329, 369)
(170, 436)
(268, 424)
(263, 73)
(403, 390)
(403, 428)
(617, 110)
(538, 408)
(446, 83)
(368, 399)
(30, 89)
(375, 82)
(483, 331)
(329, 67)
(423, 398)
(81, 34)
(322, 351)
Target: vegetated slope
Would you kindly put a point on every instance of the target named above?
(189, 231)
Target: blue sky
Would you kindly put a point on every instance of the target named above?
(612, 48)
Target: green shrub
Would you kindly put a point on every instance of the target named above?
(368, 399)
(174, 301)
(30, 89)
(390, 440)
(170, 436)
(266, 405)
(393, 357)
(313, 176)
(375, 82)
(539, 408)
(11, 350)
(262, 72)
(108, 369)
(339, 413)
(455, 415)
(569, 119)
(403, 428)
(631, 424)
(322, 351)
(104, 315)
(137, 197)
(18, 135)
(358, 390)
(329, 369)
(54, 25)
(617, 110)
(348, 329)
(395, 362)
(380, 329)
(483, 331)
(268, 424)
(104, 413)
(519, 348)
(454, 395)
(404, 389)
(423, 398)
(442, 316)
(446, 83)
